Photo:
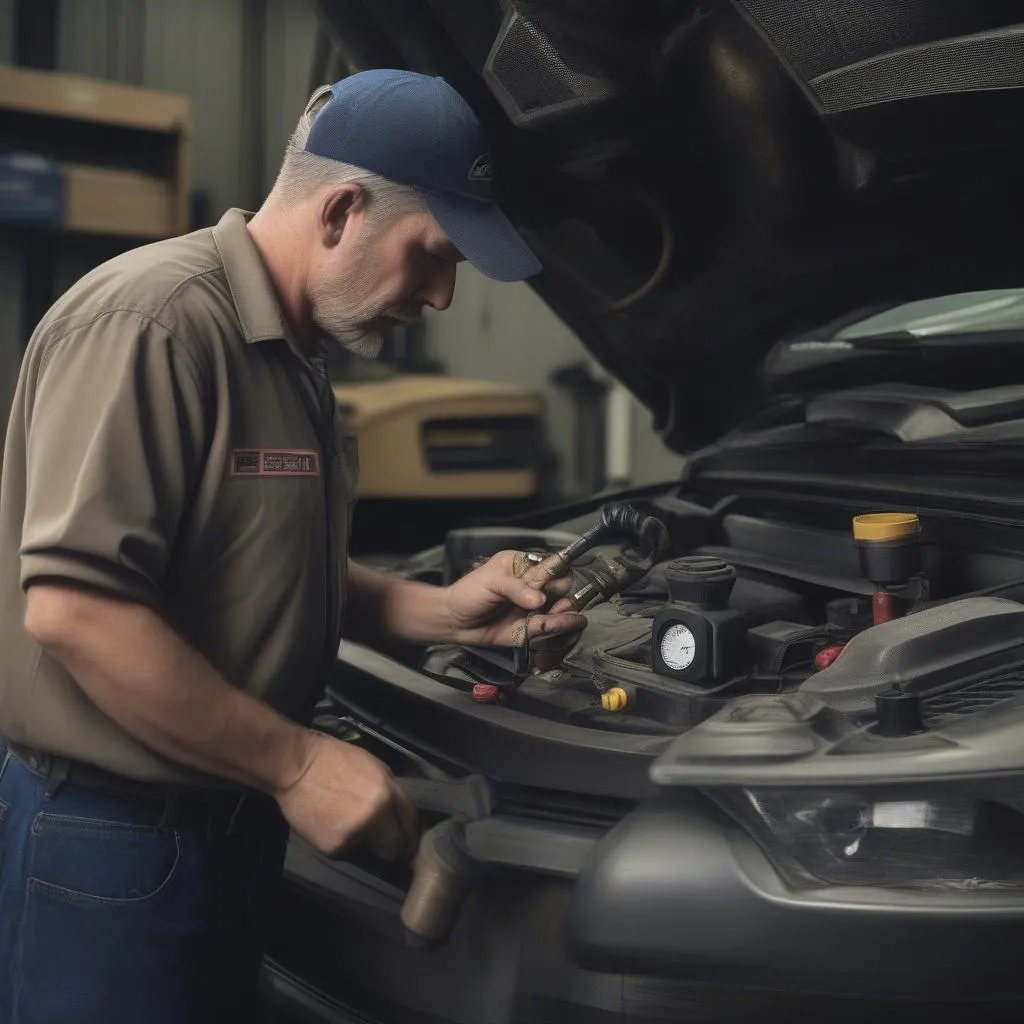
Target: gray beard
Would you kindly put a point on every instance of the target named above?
(340, 324)
(338, 327)
(365, 344)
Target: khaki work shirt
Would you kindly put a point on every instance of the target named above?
(169, 444)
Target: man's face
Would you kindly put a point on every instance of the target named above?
(381, 275)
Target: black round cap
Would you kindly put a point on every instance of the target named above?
(701, 580)
(899, 712)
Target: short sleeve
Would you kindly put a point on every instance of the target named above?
(115, 446)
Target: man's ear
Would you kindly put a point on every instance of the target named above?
(336, 210)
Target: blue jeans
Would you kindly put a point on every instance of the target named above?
(112, 910)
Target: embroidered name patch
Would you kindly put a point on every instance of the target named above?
(274, 462)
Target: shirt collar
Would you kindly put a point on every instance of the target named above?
(259, 312)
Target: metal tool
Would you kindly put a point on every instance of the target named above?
(443, 870)
(465, 799)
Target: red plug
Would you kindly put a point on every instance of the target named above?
(827, 656)
(485, 693)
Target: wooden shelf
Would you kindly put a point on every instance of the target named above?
(55, 94)
(144, 206)
(135, 178)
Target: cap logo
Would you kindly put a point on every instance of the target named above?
(481, 169)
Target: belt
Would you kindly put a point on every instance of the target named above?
(211, 810)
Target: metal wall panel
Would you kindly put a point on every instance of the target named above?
(195, 47)
(11, 340)
(290, 42)
(83, 34)
(11, 270)
(6, 31)
(102, 39)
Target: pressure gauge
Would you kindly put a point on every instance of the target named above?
(681, 644)
(678, 646)
(697, 638)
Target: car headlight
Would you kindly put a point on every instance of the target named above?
(817, 838)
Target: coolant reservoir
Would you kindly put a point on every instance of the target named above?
(889, 544)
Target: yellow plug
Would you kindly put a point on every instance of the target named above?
(615, 699)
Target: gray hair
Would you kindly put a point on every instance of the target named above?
(303, 174)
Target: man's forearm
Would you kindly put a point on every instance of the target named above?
(138, 671)
(384, 606)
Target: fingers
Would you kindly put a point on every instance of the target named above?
(394, 833)
(523, 560)
(551, 624)
(542, 627)
(524, 574)
(520, 592)
(541, 575)
(552, 590)
(383, 837)
(408, 820)
(553, 637)
(563, 604)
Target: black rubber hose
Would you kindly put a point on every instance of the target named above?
(623, 520)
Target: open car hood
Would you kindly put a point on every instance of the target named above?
(701, 179)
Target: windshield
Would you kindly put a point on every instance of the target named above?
(967, 313)
(872, 345)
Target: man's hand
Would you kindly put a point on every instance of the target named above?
(511, 597)
(345, 796)
(492, 607)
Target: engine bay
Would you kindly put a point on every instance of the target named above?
(869, 616)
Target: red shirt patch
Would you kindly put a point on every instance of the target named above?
(274, 462)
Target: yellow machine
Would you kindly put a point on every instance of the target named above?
(425, 436)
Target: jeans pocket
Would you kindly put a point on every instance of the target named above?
(100, 863)
(112, 928)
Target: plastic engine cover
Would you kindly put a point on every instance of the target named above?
(933, 648)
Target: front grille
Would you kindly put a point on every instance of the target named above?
(974, 697)
(564, 808)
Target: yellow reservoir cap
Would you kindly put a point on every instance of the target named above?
(885, 526)
(615, 699)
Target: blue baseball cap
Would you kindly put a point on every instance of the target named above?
(418, 131)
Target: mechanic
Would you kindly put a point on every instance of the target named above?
(176, 501)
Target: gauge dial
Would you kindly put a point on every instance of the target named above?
(678, 647)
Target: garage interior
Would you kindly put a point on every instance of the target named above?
(779, 777)
(214, 87)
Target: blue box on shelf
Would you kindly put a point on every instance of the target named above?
(31, 189)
